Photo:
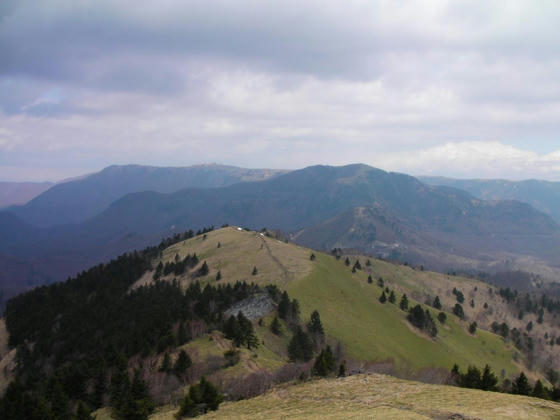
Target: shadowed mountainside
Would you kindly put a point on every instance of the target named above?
(77, 200)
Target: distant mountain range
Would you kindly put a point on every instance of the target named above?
(75, 201)
(542, 195)
(354, 207)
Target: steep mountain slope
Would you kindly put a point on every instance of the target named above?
(78, 200)
(542, 195)
(12, 193)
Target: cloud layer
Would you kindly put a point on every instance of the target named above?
(411, 86)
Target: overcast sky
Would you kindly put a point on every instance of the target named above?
(455, 88)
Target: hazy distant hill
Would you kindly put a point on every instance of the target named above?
(77, 200)
(12, 193)
(543, 195)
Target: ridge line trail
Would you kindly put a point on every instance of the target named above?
(285, 272)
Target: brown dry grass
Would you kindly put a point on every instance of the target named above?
(240, 251)
(378, 396)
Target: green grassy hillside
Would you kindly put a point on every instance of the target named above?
(348, 304)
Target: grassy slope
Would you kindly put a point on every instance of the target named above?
(348, 305)
(379, 396)
(351, 312)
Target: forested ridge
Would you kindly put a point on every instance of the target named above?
(74, 339)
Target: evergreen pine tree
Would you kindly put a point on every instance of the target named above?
(182, 363)
(284, 306)
(300, 347)
(369, 279)
(255, 271)
(342, 369)
(472, 327)
(324, 363)
(437, 303)
(218, 275)
(392, 297)
(315, 326)
(403, 304)
(521, 385)
(275, 327)
(539, 390)
(380, 282)
(488, 381)
(442, 317)
(383, 298)
(203, 270)
(347, 262)
(458, 311)
(210, 394)
(471, 379)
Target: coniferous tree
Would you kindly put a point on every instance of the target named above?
(442, 317)
(458, 311)
(200, 399)
(392, 297)
(275, 327)
(284, 306)
(403, 304)
(342, 369)
(248, 336)
(315, 326)
(324, 362)
(347, 262)
(368, 263)
(521, 385)
(255, 271)
(472, 327)
(203, 270)
(471, 379)
(182, 363)
(218, 275)
(488, 380)
(437, 303)
(300, 347)
(380, 282)
(383, 298)
(539, 390)
(369, 279)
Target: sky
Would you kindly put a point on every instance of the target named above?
(466, 89)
